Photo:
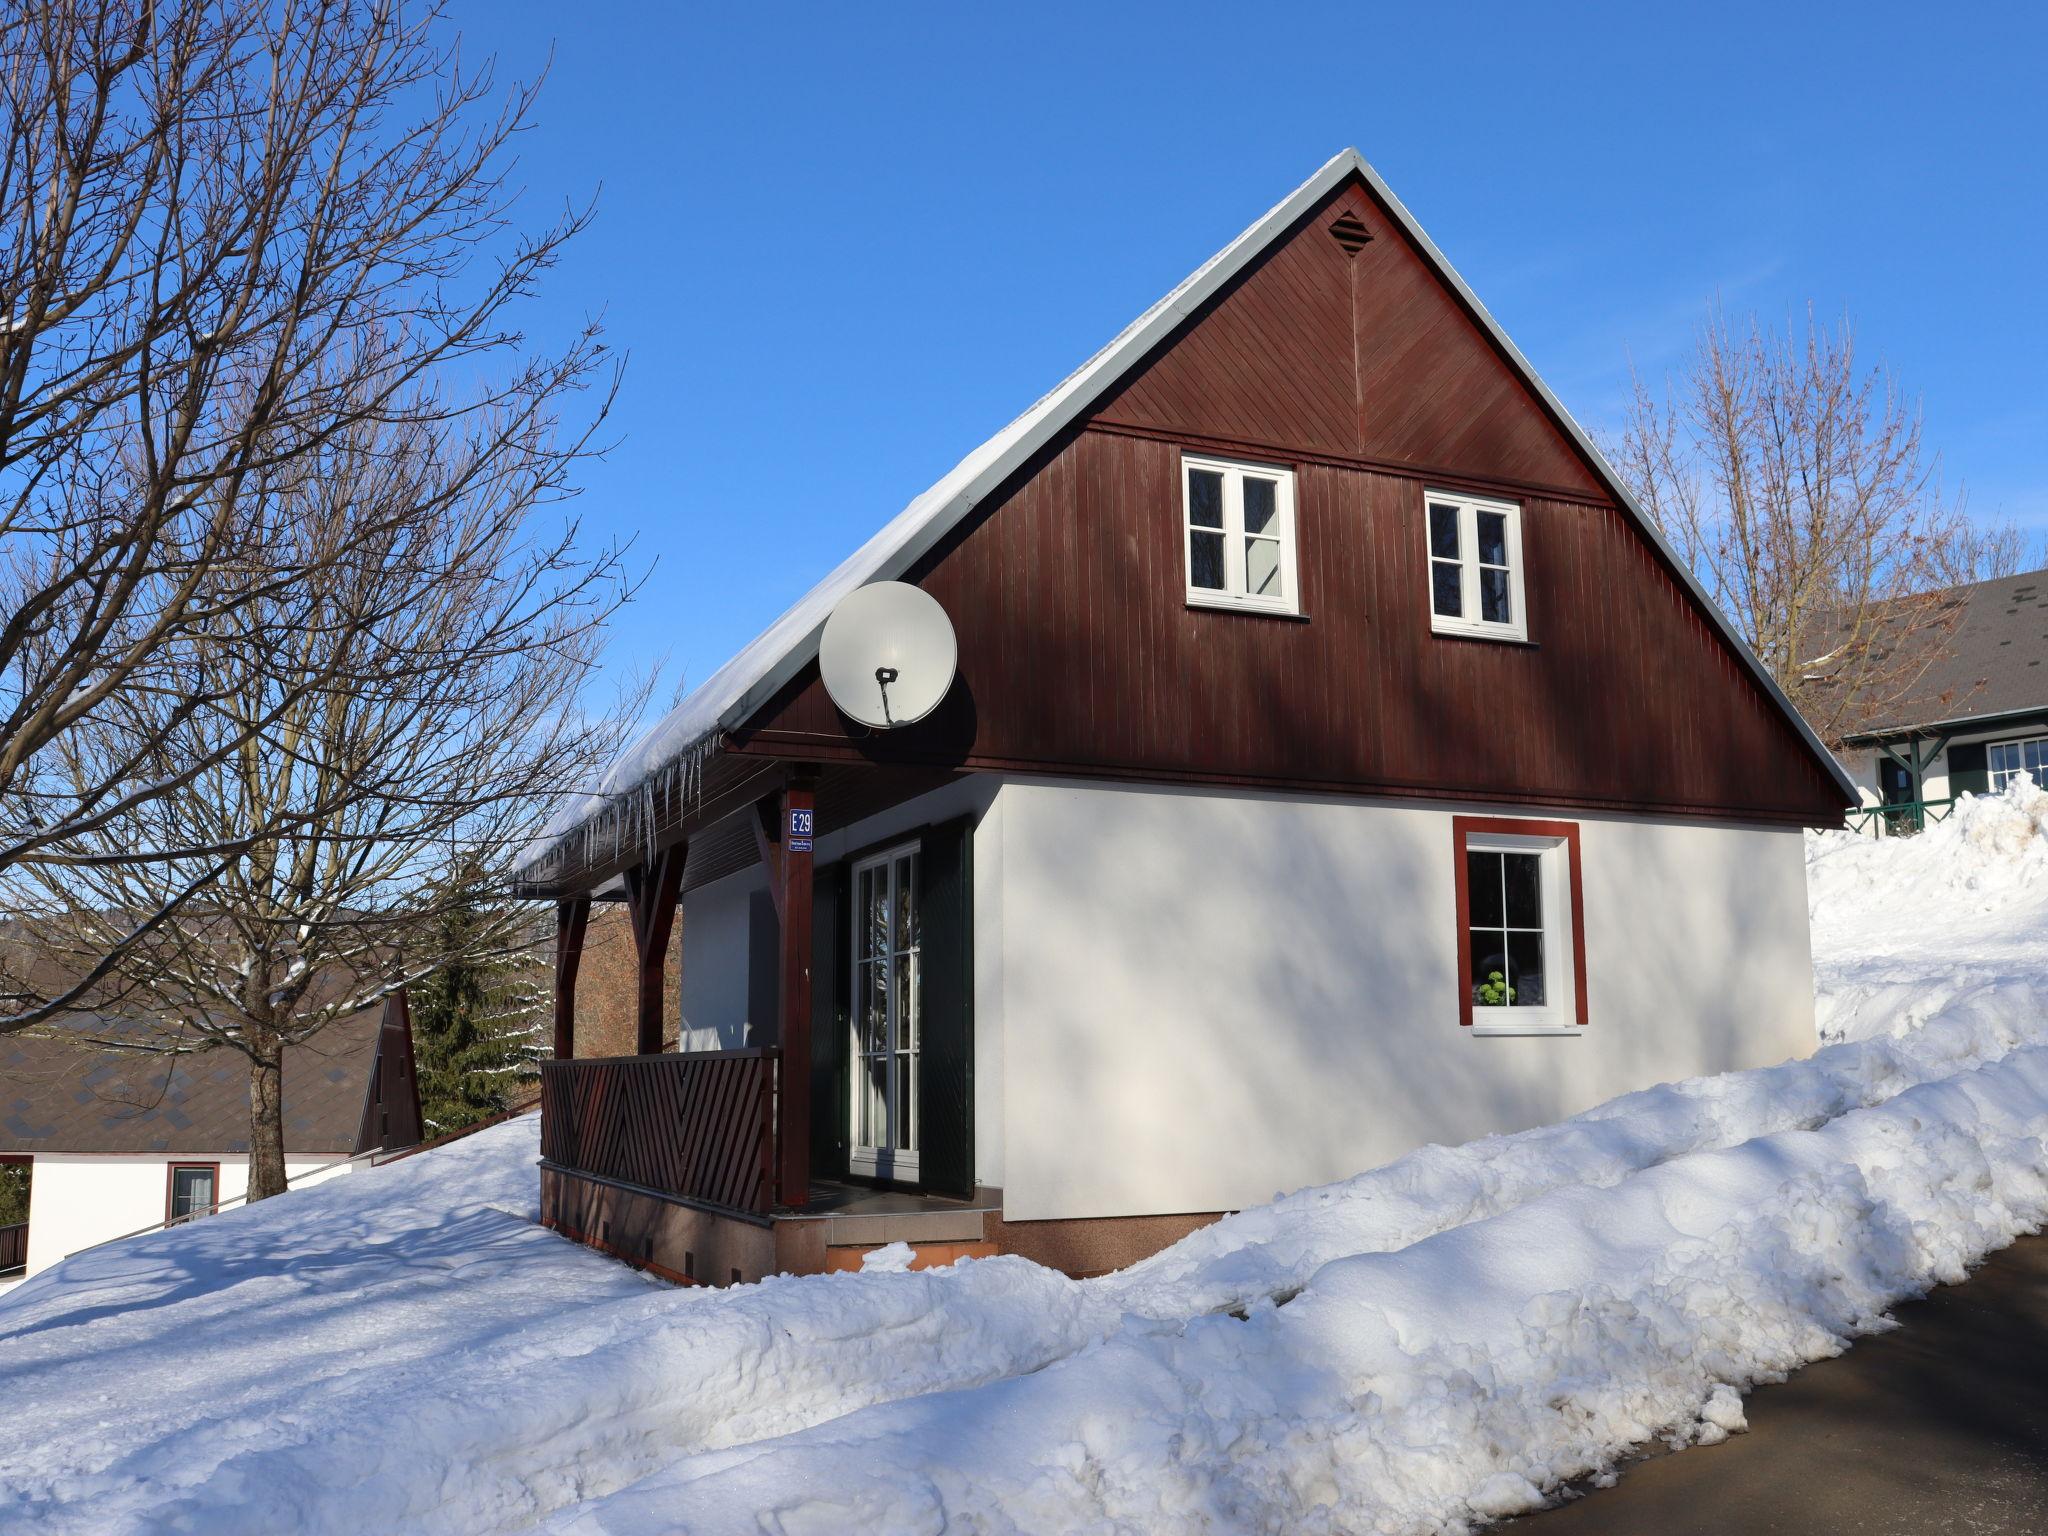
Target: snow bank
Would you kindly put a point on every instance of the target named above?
(1910, 928)
(1446, 1384)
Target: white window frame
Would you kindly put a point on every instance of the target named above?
(2019, 744)
(1558, 1014)
(886, 1162)
(1233, 594)
(1468, 623)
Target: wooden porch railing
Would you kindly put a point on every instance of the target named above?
(699, 1124)
(13, 1247)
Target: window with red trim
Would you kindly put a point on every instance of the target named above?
(1521, 926)
(193, 1190)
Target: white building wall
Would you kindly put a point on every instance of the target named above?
(79, 1199)
(1210, 998)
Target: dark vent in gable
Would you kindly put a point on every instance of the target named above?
(1349, 231)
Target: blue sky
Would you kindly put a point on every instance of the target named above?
(843, 244)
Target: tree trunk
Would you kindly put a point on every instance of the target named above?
(266, 1113)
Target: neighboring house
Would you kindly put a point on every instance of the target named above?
(1974, 720)
(121, 1140)
(1337, 760)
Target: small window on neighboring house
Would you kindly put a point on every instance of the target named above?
(1521, 944)
(2007, 760)
(1475, 567)
(1239, 527)
(195, 1190)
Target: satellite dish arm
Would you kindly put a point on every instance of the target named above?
(885, 676)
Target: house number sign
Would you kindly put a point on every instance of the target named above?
(800, 831)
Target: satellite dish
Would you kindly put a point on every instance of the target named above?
(887, 654)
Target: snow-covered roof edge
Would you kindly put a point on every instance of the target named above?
(744, 683)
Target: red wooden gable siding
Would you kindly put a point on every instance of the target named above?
(1364, 356)
(1078, 652)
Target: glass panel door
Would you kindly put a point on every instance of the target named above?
(885, 1044)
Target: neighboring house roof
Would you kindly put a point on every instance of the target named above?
(725, 699)
(1993, 663)
(62, 1094)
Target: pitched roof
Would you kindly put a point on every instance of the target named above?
(729, 695)
(1994, 662)
(60, 1094)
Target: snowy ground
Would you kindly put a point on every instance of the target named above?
(1427, 1346)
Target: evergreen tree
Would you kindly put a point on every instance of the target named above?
(479, 1025)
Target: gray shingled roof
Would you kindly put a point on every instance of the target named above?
(1994, 663)
(62, 1095)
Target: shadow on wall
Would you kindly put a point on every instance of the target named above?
(607, 985)
(1239, 991)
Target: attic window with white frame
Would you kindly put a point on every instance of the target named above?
(1238, 522)
(1475, 567)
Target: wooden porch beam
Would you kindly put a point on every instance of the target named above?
(651, 892)
(797, 827)
(572, 919)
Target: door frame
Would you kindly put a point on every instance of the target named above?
(882, 1164)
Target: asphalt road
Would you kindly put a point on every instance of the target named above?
(1940, 1425)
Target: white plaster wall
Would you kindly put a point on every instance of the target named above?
(1209, 998)
(79, 1199)
(715, 937)
(714, 980)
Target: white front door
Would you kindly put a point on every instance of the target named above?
(884, 1047)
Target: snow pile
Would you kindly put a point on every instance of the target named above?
(1430, 1344)
(1909, 928)
(1448, 1383)
(405, 1348)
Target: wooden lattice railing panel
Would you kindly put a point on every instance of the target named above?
(700, 1124)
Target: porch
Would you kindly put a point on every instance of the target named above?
(673, 1163)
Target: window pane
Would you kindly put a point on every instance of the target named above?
(191, 1191)
(874, 1106)
(1444, 595)
(1524, 872)
(1262, 567)
(1489, 968)
(1493, 597)
(1205, 498)
(906, 902)
(874, 1034)
(1493, 538)
(1482, 889)
(1205, 560)
(905, 1097)
(1443, 531)
(1525, 970)
(908, 1013)
(1261, 507)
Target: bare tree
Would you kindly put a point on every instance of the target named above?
(397, 751)
(237, 237)
(1987, 552)
(1793, 480)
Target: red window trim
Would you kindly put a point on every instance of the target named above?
(1462, 829)
(171, 1186)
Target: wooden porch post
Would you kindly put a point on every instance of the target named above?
(571, 918)
(792, 872)
(651, 892)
